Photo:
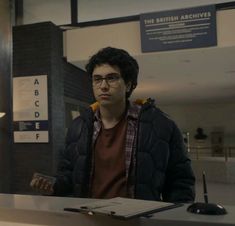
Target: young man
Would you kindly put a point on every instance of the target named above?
(119, 148)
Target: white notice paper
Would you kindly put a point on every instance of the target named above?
(123, 208)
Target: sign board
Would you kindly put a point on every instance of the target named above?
(30, 109)
(178, 29)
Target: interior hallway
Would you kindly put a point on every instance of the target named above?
(220, 193)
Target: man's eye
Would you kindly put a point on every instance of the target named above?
(97, 79)
(111, 78)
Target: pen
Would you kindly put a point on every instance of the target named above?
(204, 187)
(78, 210)
(72, 209)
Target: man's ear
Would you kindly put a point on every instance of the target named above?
(128, 87)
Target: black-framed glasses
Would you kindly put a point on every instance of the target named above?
(111, 79)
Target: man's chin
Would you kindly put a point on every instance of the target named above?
(105, 102)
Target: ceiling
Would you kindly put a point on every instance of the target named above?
(196, 75)
(205, 75)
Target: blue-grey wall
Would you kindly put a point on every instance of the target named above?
(38, 50)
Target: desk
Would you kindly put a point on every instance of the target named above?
(19, 210)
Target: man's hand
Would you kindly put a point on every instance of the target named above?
(43, 184)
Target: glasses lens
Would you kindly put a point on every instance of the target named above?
(110, 79)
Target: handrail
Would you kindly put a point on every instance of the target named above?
(227, 151)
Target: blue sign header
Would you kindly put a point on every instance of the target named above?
(178, 29)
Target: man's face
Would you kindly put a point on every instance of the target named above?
(108, 85)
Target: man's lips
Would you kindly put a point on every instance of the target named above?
(104, 96)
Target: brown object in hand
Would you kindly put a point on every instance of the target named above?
(43, 183)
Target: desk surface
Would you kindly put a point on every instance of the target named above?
(17, 210)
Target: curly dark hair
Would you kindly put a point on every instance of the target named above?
(128, 66)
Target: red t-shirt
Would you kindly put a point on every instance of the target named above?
(109, 179)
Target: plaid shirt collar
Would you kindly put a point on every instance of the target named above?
(132, 117)
(132, 112)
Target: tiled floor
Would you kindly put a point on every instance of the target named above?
(217, 193)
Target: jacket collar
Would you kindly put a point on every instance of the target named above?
(132, 111)
(139, 102)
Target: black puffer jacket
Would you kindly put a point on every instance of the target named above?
(163, 170)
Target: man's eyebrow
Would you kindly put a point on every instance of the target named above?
(112, 73)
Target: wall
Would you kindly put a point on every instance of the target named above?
(77, 85)
(38, 50)
(217, 170)
(208, 116)
(5, 93)
(77, 92)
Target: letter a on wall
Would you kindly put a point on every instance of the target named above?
(30, 109)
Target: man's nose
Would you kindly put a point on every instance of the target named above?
(104, 84)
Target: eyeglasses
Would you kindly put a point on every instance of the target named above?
(111, 79)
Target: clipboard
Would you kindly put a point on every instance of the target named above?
(123, 208)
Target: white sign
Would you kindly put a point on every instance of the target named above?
(30, 109)
(30, 136)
